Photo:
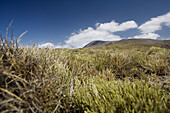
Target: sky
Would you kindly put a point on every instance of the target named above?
(75, 23)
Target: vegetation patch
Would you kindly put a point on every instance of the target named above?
(109, 79)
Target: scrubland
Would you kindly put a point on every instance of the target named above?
(110, 79)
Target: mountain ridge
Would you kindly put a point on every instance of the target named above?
(149, 42)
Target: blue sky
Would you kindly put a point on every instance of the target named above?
(74, 23)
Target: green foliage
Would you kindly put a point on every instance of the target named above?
(99, 95)
(119, 78)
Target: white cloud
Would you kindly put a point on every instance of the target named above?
(46, 45)
(155, 24)
(52, 46)
(84, 37)
(114, 27)
(101, 32)
(146, 36)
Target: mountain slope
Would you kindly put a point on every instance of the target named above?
(96, 43)
(136, 42)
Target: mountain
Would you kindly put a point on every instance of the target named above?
(97, 43)
(136, 42)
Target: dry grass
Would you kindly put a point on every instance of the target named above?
(101, 79)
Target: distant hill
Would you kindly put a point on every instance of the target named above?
(136, 42)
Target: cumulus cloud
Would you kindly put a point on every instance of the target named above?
(52, 46)
(85, 36)
(155, 24)
(46, 45)
(102, 31)
(114, 26)
(146, 36)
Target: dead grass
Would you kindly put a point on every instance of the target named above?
(101, 79)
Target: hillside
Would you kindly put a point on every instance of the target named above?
(113, 79)
(136, 42)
